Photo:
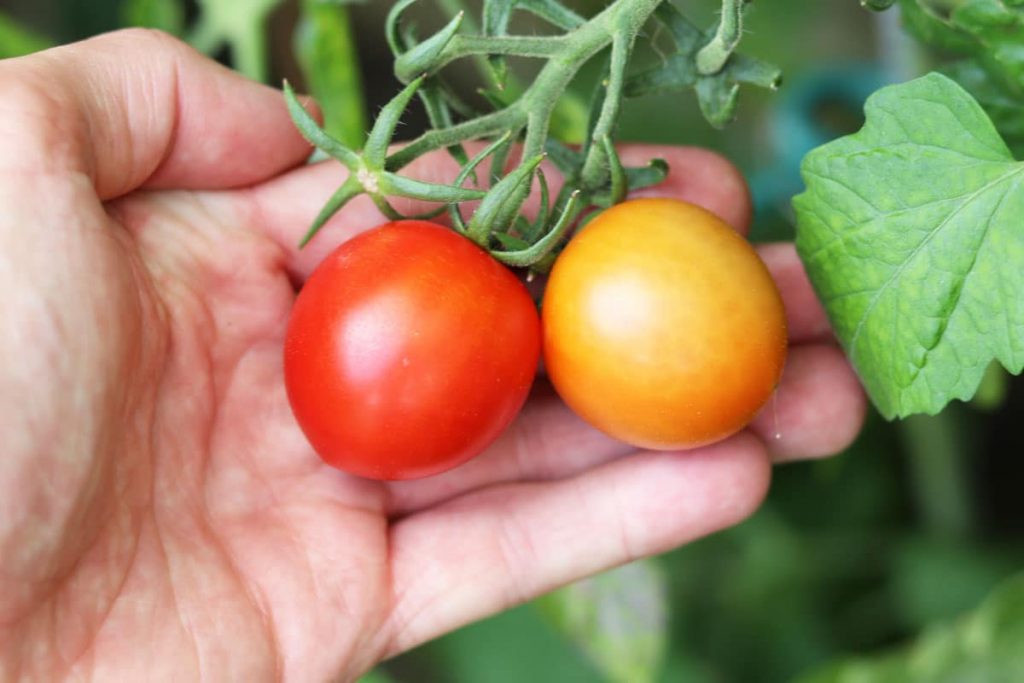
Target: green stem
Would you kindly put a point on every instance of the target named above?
(326, 49)
(520, 46)
(491, 124)
(713, 56)
(624, 17)
(554, 13)
(939, 473)
(621, 47)
(536, 252)
(569, 116)
(452, 8)
(533, 110)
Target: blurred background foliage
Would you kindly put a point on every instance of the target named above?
(891, 562)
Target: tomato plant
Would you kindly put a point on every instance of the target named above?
(662, 326)
(409, 351)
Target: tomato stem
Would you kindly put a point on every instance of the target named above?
(592, 176)
(713, 56)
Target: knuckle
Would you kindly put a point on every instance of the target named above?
(151, 40)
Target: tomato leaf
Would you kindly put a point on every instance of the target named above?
(717, 93)
(986, 646)
(990, 30)
(618, 619)
(910, 232)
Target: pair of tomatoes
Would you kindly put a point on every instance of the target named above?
(410, 349)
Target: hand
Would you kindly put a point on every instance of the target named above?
(162, 516)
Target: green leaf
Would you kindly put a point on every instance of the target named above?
(716, 93)
(910, 232)
(934, 28)
(618, 619)
(992, 31)
(380, 136)
(17, 40)
(983, 648)
(348, 191)
(326, 51)
(422, 58)
(534, 254)
(654, 173)
(166, 15)
(316, 135)
(502, 202)
(392, 184)
(565, 159)
(988, 38)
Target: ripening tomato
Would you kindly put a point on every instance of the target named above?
(662, 327)
(409, 350)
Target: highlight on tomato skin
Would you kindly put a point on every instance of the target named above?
(662, 326)
(409, 350)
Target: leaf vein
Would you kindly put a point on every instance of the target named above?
(855, 338)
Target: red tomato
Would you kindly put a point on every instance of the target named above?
(662, 327)
(409, 350)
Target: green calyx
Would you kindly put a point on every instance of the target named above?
(519, 123)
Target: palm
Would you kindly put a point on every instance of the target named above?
(213, 512)
(257, 520)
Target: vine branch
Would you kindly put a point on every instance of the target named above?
(593, 176)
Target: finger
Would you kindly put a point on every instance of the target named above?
(516, 542)
(285, 207)
(816, 411)
(547, 441)
(818, 408)
(805, 316)
(698, 176)
(139, 108)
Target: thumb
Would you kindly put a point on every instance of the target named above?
(138, 108)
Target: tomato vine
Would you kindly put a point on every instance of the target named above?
(704, 61)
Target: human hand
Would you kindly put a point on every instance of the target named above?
(161, 514)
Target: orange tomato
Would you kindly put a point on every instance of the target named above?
(662, 327)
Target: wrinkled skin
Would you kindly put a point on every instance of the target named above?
(161, 515)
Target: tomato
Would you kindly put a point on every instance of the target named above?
(662, 327)
(409, 350)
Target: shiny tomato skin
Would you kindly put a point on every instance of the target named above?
(662, 327)
(409, 350)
